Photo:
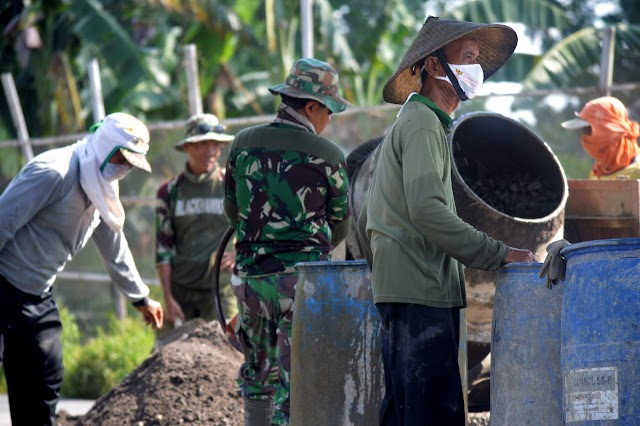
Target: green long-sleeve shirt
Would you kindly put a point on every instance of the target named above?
(417, 244)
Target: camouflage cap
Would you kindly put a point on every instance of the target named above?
(313, 79)
(204, 127)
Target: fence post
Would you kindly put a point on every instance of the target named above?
(606, 61)
(193, 83)
(95, 85)
(97, 103)
(306, 27)
(13, 100)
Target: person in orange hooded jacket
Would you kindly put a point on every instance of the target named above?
(609, 137)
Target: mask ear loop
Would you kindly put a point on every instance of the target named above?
(447, 70)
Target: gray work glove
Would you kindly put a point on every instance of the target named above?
(554, 265)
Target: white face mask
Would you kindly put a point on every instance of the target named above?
(470, 78)
(113, 171)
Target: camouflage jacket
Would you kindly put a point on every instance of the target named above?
(286, 194)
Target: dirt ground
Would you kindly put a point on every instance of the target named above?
(190, 381)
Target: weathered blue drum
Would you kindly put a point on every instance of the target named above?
(600, 355)
(337, 377)
(526, 382)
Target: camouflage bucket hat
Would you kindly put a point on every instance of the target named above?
(204, 127)
(496, 42)
(313, 79)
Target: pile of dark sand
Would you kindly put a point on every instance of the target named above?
(190, 381)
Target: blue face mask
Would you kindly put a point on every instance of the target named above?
(113, 171)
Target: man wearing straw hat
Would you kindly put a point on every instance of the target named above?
(48, 213)
(190, 223)
(415, 243)
(286, 196)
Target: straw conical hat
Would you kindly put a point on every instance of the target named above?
(497, 43)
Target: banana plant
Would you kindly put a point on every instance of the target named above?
(571, 47)
(244, 47)
(576, 59)
(43, 73)
(538, 15)
(223, 33)
(134, 77)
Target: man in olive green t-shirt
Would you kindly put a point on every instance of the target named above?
(190, 223)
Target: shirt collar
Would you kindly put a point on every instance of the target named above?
(201, 177)
(445, 119)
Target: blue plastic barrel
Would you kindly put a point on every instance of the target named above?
(526, 382)
(600, 355)
(337, 377)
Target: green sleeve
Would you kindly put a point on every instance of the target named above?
(426, 165)
(363, 238)
(338, 211)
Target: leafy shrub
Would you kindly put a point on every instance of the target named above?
(99, 364)
(103, 361)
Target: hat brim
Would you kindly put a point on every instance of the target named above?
(335, 103)
(576, 123)
(136, 159)
(496, 43)
(210, 136)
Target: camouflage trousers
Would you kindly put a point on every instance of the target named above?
(264, 330)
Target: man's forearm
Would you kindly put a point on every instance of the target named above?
(164, 275)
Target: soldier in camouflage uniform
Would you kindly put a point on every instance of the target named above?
(286, 196)
(190, 223)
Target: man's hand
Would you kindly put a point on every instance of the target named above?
(173, 310)
(518, 255)
(152, 313)
(228, 259)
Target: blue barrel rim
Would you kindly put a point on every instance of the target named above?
(514, 265)
(332, 264)
(519, 268)
(584, 247)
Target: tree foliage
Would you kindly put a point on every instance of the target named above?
(243, 47)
